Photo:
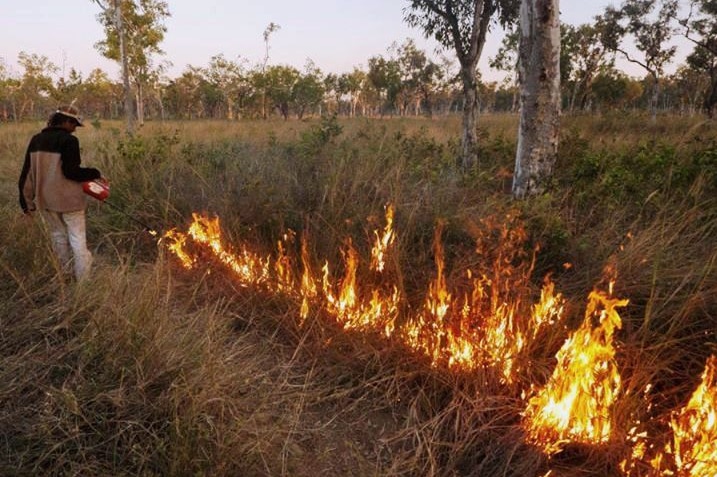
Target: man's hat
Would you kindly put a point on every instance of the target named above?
(71, 112)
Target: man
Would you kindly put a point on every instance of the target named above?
(51, 183)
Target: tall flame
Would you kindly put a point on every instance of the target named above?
(576, 403)
(308, 289)
(693, 450)
(489, 326)
(427, 331)
(383, 242)
(347, 306)
(695, 428)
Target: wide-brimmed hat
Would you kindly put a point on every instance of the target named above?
(71, 112)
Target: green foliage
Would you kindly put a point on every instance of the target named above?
(635, 175)
(313, 139)
(452, 23)
(136, 150)
(143, 32)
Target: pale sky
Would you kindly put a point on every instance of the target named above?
(337, 35)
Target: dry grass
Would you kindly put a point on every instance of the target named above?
(149, 369)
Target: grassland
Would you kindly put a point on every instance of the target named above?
(151, 369)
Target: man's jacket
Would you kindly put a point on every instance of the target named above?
(51, 177)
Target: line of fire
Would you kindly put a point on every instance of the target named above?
(489, 325)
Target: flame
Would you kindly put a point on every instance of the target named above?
(428, 333)
(176, 243)
(346, 306)
(576, 403)
(695, 428)
(284, 264)
(383, 242)
(693, 450)
(308, 288)
(489, 328)
(248, 266)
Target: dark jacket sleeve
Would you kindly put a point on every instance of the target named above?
(23, 177)
(71, 162)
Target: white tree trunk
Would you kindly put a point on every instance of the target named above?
(140, 103)
(128, 109)
(469, 141)
(539, 75)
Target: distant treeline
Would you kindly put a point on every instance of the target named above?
(403, 82)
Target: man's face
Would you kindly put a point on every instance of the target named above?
(69, 125)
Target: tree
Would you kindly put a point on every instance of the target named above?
(68, 88)
(582, 57)
(112, 13)
(688, 89)
(648, 25)
(352, 85)
(613, 89)
(700, 27)
(9, 87)
(506, 59)
(308, 90)
(184, 94)
(135, 26)
(280, 83)
(271, 28)
(419, 77)
(385, 76)
(539, 73)
(462, 25)
(227, 76)
(36, 85)
(100, 94)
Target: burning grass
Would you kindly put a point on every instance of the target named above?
(576, 405)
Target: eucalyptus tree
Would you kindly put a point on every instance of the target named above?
(185, 95)
(506, 60)
(539, 77)
(308, 90)
(700, 27)
(112, 13)
(352, 86)
(228, 77)
(280, 83)
(463, 25)
(8, 92)
(385, 76)
(68, 89)
(582, 57)
(689, 89)
(648, 26)
(332, 93)
(270, 28)
(420, 77)
(613, 89)
(133, 31)
(36, 84)
(101, 95)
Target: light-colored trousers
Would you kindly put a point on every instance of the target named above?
(69, 242)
